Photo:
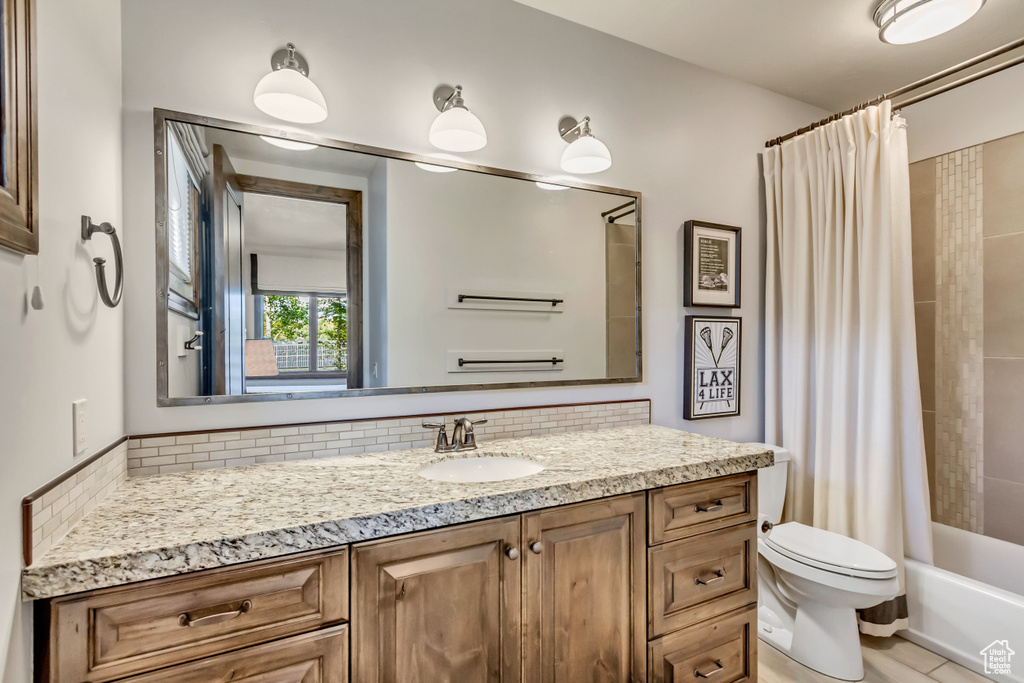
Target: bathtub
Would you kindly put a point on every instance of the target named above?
(974, 595)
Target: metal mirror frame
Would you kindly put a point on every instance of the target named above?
(160, 119)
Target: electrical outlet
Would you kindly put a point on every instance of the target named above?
(78, 420)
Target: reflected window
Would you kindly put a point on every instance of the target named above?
(309, 333)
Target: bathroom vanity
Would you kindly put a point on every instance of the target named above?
(630, 557)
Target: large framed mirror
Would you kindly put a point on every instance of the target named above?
(292, 266)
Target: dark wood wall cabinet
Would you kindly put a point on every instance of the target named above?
(654, 586)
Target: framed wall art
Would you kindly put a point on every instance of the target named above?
(712, 265)
(19, 222)
(712, 374)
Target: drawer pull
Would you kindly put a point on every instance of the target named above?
(185, 619)
(536, 548)
(708, 507)
(719, 576)
(511, 553)
(697, 673)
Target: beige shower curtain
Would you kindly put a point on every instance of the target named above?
(841, 380)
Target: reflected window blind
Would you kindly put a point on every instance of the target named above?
(181, 211)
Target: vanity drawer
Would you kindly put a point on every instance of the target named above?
(320, 657)
(723, 650)
(690, 509)
(127, 630)
(701, 577)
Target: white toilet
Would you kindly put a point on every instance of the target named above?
(812, 581)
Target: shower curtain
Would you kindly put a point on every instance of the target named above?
(841, 380)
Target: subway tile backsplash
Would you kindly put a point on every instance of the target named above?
(203, 450)
(57, 510)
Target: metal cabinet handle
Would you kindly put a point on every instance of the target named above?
(708, 507)
(536, 547)
(185, 619)
(511, 552)
(719, 576)
(697, 673)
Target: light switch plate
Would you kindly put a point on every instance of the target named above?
(78, 419)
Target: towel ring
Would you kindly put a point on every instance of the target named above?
(88, 230)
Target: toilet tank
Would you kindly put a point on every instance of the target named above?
(771, 484)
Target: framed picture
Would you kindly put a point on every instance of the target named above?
(19, 196)
(712, 265)
(712, 375)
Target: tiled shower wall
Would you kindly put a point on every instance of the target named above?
(203, 450)
(968, 223)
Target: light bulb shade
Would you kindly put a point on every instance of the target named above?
(909, 21)
(285, 143)
(434, 168)
(288, 95)
(457, 130)
(586, 154)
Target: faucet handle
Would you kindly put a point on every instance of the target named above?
(441, 443)
(478, 422)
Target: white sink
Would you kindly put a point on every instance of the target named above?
(480, 468)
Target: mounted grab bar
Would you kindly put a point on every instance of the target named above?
(88, 229)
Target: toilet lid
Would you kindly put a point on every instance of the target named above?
(830, 551)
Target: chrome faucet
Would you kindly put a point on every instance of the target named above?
(463, 437)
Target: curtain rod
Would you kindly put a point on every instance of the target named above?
(1009, 47)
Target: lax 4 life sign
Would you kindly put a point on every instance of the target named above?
(712, 367)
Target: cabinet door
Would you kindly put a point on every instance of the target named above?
(583, 593)
(438, 606)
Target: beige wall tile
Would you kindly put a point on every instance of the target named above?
(925, 317)
(1004, 510)
(1003, 208)
(922, 223)
(1004, 295)
(1004, 419)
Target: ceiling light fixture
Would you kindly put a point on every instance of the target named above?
(551, 186)
(434, 168)
(286, 92)
(285, 143)
(456, 128)
(909, 21)
(585, 153)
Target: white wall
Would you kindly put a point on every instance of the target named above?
(687, 138)
(979, 112)
(72, 348)
(450, 233)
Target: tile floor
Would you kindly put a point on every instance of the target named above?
(886, 660)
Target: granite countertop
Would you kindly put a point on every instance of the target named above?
(172, 524)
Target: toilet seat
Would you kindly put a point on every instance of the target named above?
(829, 551)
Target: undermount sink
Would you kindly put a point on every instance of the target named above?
(481, 468)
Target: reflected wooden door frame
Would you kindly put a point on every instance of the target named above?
(353, 202)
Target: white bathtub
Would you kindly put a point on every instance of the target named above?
(972, 597)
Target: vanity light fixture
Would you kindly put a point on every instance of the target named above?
(434, 168)
(286, 92)
(909, 21)
(456, 128)
(285, 143)
(551, 186)
(585, 153)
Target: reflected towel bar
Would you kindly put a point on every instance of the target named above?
(553, 302)
(553, 361)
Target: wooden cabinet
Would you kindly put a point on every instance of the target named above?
(439, 606)
(583, 593)
(655, 586)
(117, 632)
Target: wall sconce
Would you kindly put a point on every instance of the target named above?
(456, 129)
(585, 153)
(286, 92)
